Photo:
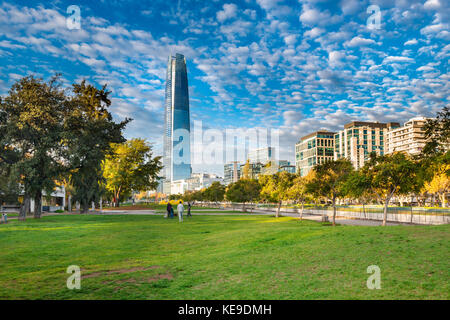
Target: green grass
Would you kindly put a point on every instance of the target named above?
(220, 257)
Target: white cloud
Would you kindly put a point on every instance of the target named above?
(432, 4)
(359, 42)
(410, 42)
(393, 59)
(228, 12)
(314, 32)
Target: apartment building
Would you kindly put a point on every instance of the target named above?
(313, 149)
(409, 139)
(359, 139)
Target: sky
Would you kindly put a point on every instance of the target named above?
(296, 66)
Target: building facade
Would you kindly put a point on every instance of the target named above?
(359, 139)
(273, 167)
(262, 155)
(231, 172)
(177, 153)
(409, 139)
(313, 149)
(197, 181)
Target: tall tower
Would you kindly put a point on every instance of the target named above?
(177, 146)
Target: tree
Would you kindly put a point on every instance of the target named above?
(439, 184)
(246, 171)
(389, 175)
(275, 187)
(215, 192)
(299, 189)
(329, 180)
(437, 132)
(357, 186)
(244, 190)
(89, 132)
(32, 115)
(130, 167)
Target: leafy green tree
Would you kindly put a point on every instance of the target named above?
(357, 186)
(89, 131)
(390, 175)
(275, 187)
(130, 167)
(32, 115)
(437, 132)
(299, 190)
(243, 191)
(215, 192)
(329, 180)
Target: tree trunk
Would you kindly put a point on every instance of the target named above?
(386, 205)
(101, 204)
(364, 210)
(25, 208)
(84, 206)
(334, 211)
(117, 201)
(243, 207)
(69, 203)
(278, 209)
(38, 205)
(443, 199)
(301, 211)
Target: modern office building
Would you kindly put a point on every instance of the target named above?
(359, 139)
(197, 181)
(273, 166)
(252, 171)
(313, 149)
(177, 153)
(409, 139)
(231, 172)
(262, 155)
(288, 168)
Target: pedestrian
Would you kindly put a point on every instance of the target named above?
(169, 210)
(180, 209)
(189, 210)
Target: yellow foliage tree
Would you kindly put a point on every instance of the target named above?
(440, 184)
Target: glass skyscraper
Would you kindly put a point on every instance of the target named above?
(177, 148)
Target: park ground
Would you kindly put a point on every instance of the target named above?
(219, 257)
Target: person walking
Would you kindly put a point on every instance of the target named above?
(189, 209)
(169, 210)
(180, 209)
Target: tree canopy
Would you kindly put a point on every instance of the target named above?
(131, 166)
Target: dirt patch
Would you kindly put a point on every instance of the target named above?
(151, 279)
(117, 271)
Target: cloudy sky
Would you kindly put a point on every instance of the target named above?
(297, 66)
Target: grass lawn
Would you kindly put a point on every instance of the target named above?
(220, 257)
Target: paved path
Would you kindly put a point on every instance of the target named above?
(339, 220)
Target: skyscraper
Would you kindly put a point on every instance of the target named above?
(177, 148)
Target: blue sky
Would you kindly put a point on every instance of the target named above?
(297, 66)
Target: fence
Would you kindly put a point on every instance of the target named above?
(400, 215)
(412, 215)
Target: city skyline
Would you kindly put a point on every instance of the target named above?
(300, 66)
